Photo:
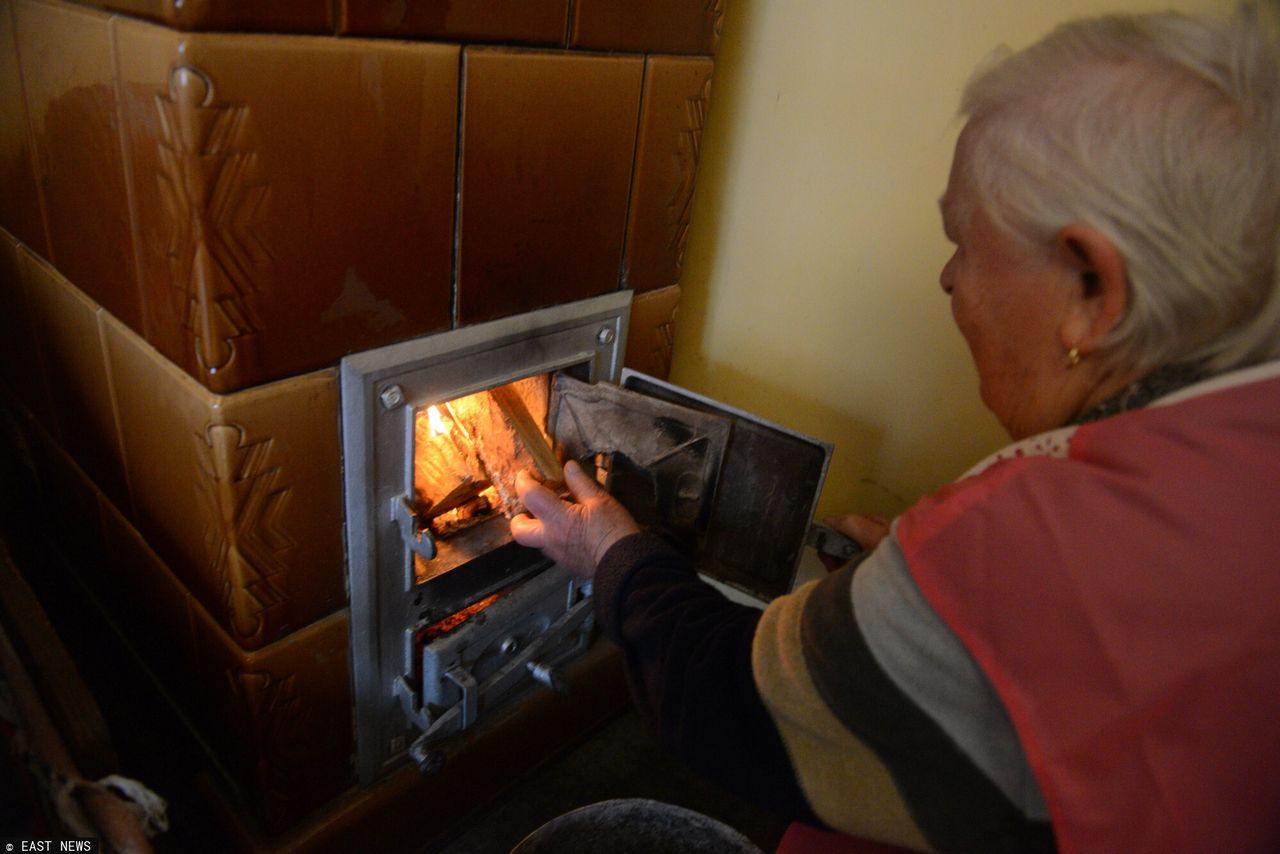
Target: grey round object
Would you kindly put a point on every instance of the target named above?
(635, 826)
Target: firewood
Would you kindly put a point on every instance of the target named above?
(499, 445)
(518, 416)
(446, 471)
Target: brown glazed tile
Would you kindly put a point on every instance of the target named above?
(20, 200)
(240, 495)
(70, 500)
(74, 121)
(674, 109)
(65, 323)
(276, 16)
(511, 21)
(651, 332)
(20, 371)
(151, 607)
(274, 461)
(279, 718)
(653, 26)
(547, 144)
(163, 413)
(295, 195)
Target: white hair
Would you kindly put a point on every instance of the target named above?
(1163, 132)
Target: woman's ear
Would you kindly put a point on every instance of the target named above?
(1100, 298)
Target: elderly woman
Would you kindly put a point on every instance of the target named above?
(1077, 643)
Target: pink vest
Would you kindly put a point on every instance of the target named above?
(1124, 600)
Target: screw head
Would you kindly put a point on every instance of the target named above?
(391, 397)
(431, 763)
(509, 645)
(605, 335)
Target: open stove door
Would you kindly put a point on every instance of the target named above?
(734, 491)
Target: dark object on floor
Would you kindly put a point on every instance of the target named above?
(621, 760)
(635, 826)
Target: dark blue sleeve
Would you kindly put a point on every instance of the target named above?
(687, 651)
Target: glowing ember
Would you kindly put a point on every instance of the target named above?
(476, 510)
(452, 621)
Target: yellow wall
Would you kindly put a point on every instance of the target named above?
(811, 281)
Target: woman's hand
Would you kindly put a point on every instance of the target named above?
(866, 531)
(576, 536)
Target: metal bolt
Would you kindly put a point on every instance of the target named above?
(391, 397)
(509, 645)
(605, 335)
(549, 676)
(429, 761)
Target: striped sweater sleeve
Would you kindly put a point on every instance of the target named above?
(892, 731)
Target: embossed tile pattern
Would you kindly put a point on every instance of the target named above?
(676, 94)
(20, 201)
(294, 196)
(240, 495)
(273, 463)
(651, 332)
(547, 145)
(74, 119)
(659, 26)
(279, 718)
(516, 21)
(257, 206)
(269, 239)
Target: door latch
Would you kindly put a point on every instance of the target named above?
(412, 530)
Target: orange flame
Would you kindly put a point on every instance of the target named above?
(436, 421)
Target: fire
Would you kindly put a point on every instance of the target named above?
(452, 621)
(436, 421)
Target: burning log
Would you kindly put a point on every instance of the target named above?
(547, 466)
(446, 471)
(470, 449)
(505, 444)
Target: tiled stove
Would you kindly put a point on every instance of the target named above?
(206, 205)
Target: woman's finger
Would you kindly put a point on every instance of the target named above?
(528, 531)
(539, 500)
(581, 484)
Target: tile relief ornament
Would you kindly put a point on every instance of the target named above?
(664, 347)
(715, 14)
(214, 200)
(279, 727)
(294, 729)
(243, 497)
(680, 206)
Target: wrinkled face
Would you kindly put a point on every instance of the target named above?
(1009, 300)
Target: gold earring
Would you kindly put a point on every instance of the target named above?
(1073, 357)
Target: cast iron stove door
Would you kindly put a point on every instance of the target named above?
(425, 664)
(732, 490)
